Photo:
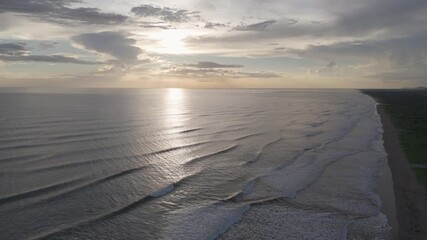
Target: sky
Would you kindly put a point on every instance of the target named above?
(213, 44)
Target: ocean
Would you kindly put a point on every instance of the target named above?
(190, 164)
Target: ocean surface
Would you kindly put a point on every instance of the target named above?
(190, 164)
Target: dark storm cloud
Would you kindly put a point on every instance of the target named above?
(18, 52)
(116, 44)
(212, 65)
(261, 26)
(59, 11)
(164, 13)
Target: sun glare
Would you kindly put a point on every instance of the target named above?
(174, 95)
(171, 41)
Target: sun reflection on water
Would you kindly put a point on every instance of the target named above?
(174, 107)
(175, 94)
(175, 121)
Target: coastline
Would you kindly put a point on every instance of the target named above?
(410, 196)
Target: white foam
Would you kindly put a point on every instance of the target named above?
(203, 222)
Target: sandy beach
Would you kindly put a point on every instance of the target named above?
(410, 196)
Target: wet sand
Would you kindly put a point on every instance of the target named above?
(410, 196)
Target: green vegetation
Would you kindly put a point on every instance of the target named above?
(421, 175)
(408, 110)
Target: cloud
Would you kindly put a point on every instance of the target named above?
(208, 70)
(113, 66)
(398, 51)
(12, 49)
(402, 58)
(292, 21)
(45, 58)
(380, 39)
(257, 75)
(361, 20)
(5, 22)
(211, 25)
(164, 13)
(59, 11)
(212, 65)
(417, 75)
(261, 26)
(18, 52)
(157, 25)
(48, 45)
(327, 70)
(368, 16)
(115, 44)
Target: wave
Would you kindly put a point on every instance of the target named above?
(91, 134)
(253, 113)
(191, 130)
(207, 221)
(111, 213)
(297, 155)
(345, 132)
(248, 136)
(83, 186)
(58, 133)
(216, 153)
(287, 182)
(129, 157)
(317, 124)
(162, 191)
(181, 129)
(25, 158)
(313, 133)
(247, 189)
(262, 149)
(116, 211)
(214, 133)
(50, 143)
(40, 191)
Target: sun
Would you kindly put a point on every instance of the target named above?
(171, 41)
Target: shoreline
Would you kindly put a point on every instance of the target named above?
(410, 196)
(385, 191)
